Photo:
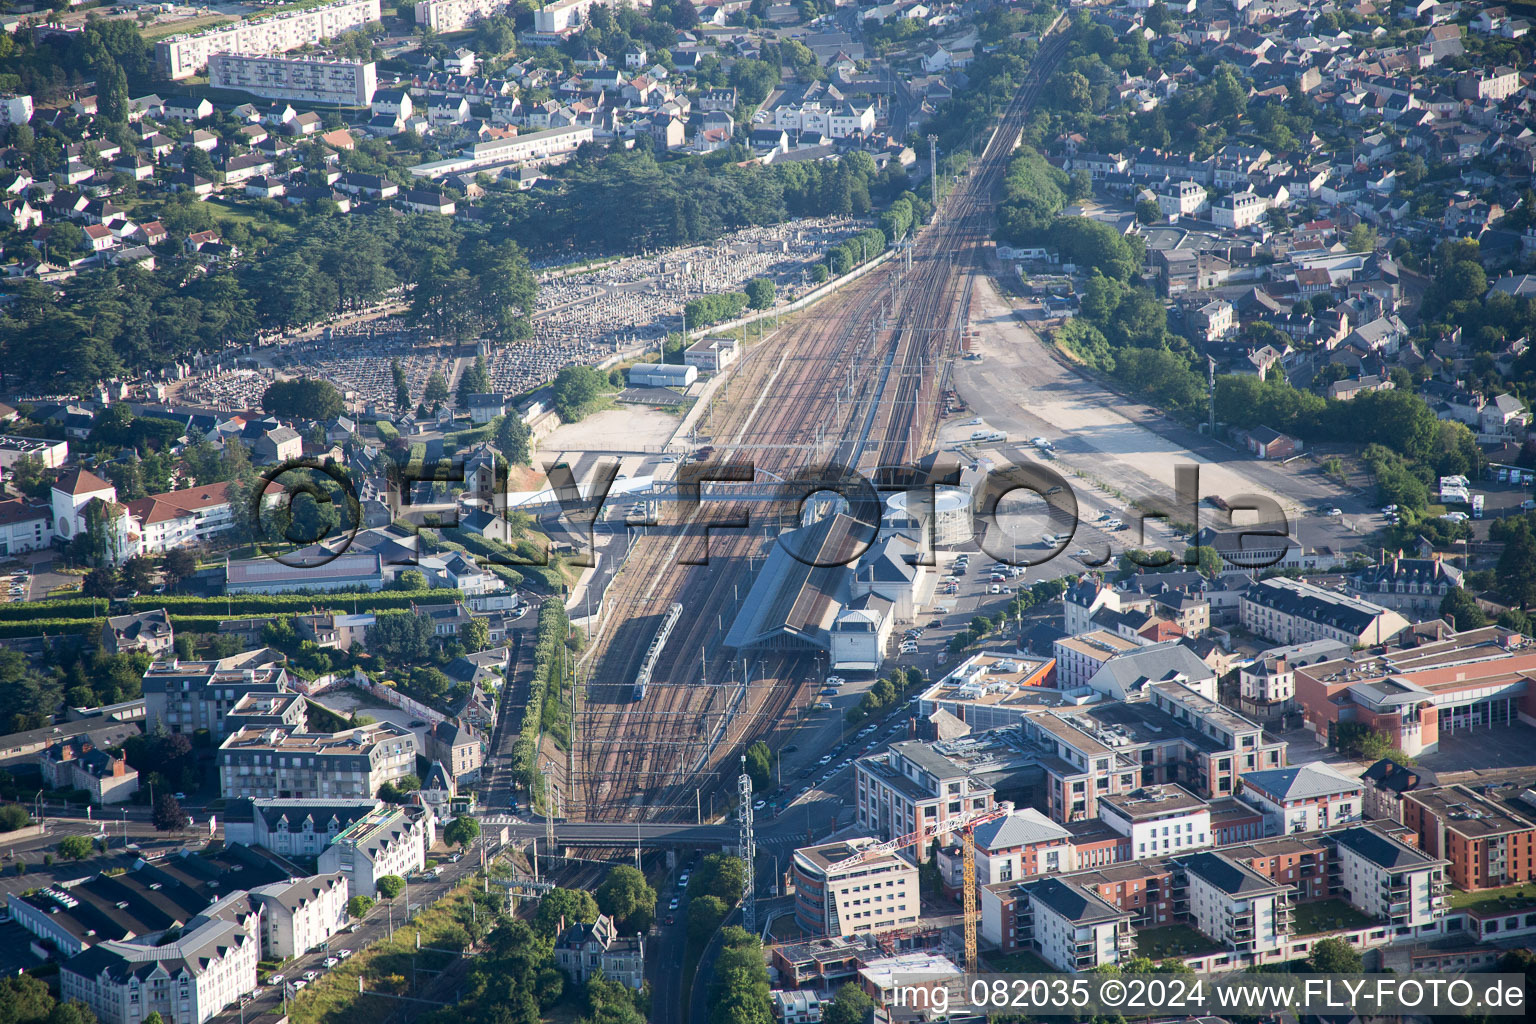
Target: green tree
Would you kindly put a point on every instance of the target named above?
(411, 579)
(473, 381)
(1462, 609)
(1334, 956)
(475, 636)
(514, 439)
(760, 766)
(576, 390)
(99, 582)
(573, 906)
(402, 386)
(390, 886)
(850, 1006)
(75, 847)
(704, 915)
(461, 831)
(358, 907)
(178, 564)
(760, 292)
(303, 398)
(437, 391)
(627, 897)
(720, 875)
(168, 815)
(1148, 212)
(1361, 238)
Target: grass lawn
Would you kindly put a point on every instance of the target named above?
(1328, 916)
(1170, 940)
(386, 965)
(1019, 962)
(1511, 897)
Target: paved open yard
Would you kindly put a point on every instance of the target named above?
(1474, 753)
(624, 429)
(1020, 387)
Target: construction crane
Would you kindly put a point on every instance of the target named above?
(965, 824)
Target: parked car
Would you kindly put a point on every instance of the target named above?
(332, 961)
(276, 979)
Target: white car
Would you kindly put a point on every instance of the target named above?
(1335, 511)
(311, 975)
(343, 953)
(297, 985)
(276, 979)
(1082, 553)
(332, 961)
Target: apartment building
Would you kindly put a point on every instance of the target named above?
(344, 83)
(186, 696)
(1388, 879)
(1071, 927)
(585, 951)
(182, 56)
(1424, 687)
(1238, 210)
(300, 914)
(838, 892)
(1159, 820)
(1304, 798)
(188, 980)
(562, 16)
(292, 828)
(993, 690)
(913, 785)
(388, 840)
(281, 761)
(1488, 844)
(1080, 657)
(456, 15)
(1291, 611)
(1174, 736)
(1020, 845)
(14, 448)
(1236, 906)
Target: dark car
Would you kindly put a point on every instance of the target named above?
(670, 919)
(417, 724)
(789, 749)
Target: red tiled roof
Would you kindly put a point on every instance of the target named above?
(81, 481)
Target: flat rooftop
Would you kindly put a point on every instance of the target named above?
(999, 679)
(1468, 814)
(1154, 803)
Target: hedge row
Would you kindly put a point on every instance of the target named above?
(549, 639)
(234, 606)
(49, 627)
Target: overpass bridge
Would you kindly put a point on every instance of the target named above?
(614, 833)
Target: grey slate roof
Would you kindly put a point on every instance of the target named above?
(1300, 782)
(1382, 850)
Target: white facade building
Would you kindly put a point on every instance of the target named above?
(346, 83)
(1072, 928)
(189, 980)
(456, 15)
(1304, 798)
(1388, 879)
(182, 56)
(1237, 906)
(389, 841)
(1159, 820)
(1181, 199)
(1237, 211)
(300, 914)
(281, 761)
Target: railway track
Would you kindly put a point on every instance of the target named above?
(645, 759)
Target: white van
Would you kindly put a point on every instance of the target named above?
(1049, 540)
